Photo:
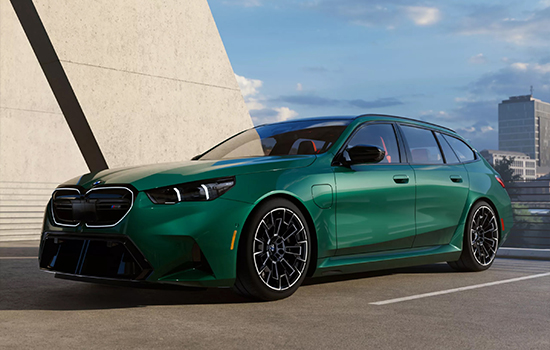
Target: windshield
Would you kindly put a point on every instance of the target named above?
(282, 139)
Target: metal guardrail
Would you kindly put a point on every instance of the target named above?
(531, 207)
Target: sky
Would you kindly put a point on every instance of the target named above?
(446, 62)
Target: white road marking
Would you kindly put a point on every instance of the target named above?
(425, 295)
(17, 257)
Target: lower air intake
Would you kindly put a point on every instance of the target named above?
(93, 256)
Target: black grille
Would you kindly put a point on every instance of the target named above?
(99, 207)
(94, 256)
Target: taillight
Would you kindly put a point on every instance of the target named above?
(500, 181)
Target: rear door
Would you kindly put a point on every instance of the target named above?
(375, 202)
(442, 185)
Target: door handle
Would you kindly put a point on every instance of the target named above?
(401, 179)
(456, 178)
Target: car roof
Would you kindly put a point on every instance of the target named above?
(348, 117)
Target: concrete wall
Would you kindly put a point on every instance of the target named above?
(152, 78)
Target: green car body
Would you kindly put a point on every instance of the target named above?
(378, 224)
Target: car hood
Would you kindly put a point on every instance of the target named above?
(158, 175)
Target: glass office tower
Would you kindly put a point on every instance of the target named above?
(524, 126)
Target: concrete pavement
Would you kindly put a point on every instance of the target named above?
(39, 311)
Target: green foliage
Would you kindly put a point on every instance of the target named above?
(504, 168)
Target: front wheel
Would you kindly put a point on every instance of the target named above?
(274, 252)
(481, 239)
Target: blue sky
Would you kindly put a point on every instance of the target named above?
(448, 62)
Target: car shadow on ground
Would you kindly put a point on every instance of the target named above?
(24, 287)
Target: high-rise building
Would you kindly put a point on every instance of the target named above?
(524, 126)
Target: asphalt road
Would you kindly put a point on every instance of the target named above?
(39, 311)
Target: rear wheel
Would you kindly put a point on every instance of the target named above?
(481, 239)
(274, 252)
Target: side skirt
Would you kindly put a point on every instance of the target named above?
(386, 260)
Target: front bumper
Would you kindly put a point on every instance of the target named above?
(189, 243)
(108, 257)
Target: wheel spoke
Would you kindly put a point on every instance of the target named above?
(275, 270)
(287, 267)
(289, 250)
(287, 235)
(278, 227)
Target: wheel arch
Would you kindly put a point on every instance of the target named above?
(309, 221)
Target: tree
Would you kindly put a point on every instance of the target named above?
(504, 168)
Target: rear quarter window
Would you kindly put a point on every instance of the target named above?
(450, 156)
(462, 150)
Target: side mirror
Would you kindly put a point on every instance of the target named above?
(364, 154)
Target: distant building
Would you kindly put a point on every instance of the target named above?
(523, 165)
(524, 126)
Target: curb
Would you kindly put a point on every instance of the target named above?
(524, 253)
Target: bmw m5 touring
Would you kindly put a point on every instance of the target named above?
(271, 205)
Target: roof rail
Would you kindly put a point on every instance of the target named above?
(404, 118)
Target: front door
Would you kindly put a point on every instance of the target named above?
(375, 202)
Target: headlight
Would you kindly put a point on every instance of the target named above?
(193, 191)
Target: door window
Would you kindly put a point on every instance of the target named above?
(422, 145)
(380, 135)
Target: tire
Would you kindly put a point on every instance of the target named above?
(274, 251)
(481, 239)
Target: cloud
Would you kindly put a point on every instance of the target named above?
(481, 135)
(378, 103)
(478, 59)
(256, 103)
(299, 87)
(435, 115)
(244, 3)
(309, 100)
(272, 115)
(317, 101)
(529, 29)
(249, 87)
(388, 14)
(285, 113)
(475, 120)
(423, 16)
(514, 79)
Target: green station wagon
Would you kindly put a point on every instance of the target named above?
(271, 205)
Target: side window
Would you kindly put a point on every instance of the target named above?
(450, 156)
(462, 150)
(422, 145)
(380, 135)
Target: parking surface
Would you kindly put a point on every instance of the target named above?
(40, 311)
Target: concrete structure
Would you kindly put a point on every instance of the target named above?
(522, 165)
(85, 85)
(524, 126)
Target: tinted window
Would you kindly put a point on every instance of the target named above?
(422, 145)
(380, 135)
(450, 156)
(462, 150)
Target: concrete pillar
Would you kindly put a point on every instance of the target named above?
(151, 79)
